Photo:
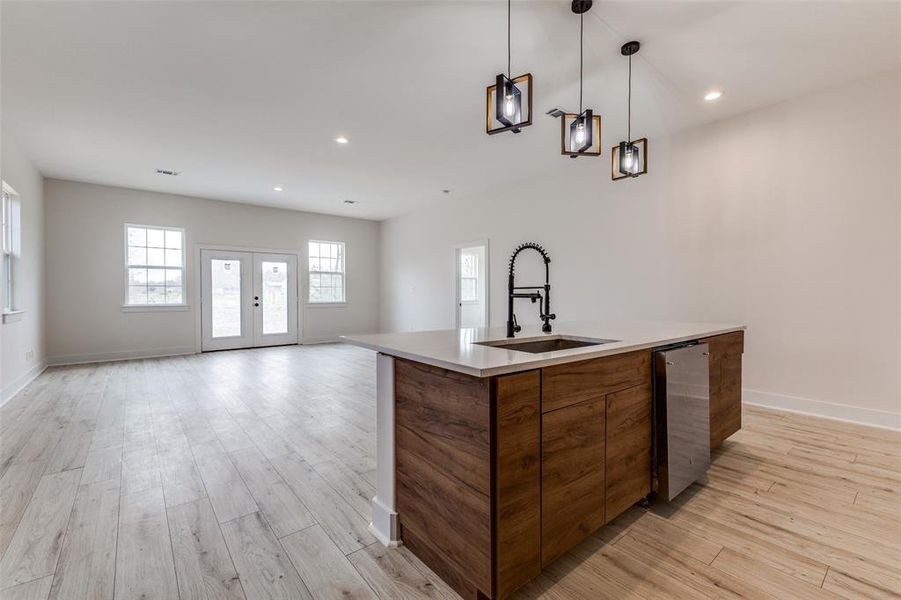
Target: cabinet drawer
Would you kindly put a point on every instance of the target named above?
(567, 384)
(728, 344)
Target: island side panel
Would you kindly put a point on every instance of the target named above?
(517, 545)
(443, 454)
(384, 515)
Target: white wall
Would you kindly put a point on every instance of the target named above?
(85, 267)
(765, 219)
(22, 340)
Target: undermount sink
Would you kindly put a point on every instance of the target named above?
(548, 344)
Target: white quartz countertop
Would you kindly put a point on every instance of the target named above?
(454, 349)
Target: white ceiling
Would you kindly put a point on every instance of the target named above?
(242, 96)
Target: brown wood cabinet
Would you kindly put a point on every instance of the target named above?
(443, 478)
(628, 459)
(517, 545)
(497, 477)
(566, 384)
(572, 475)
(725, 385)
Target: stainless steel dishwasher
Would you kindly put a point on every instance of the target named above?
(681, 417)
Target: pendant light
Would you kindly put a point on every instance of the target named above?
(580, 133)
(630, 158)
(509, 102)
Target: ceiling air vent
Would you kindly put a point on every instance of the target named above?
(166, 172)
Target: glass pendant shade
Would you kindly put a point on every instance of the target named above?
(509, 104)
(580, 135)
(630, 159)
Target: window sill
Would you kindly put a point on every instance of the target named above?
(129, 308)
(326, 304)
(12, 316)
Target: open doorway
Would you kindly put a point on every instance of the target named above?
(471, 284)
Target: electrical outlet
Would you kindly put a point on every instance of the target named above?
(29, 355)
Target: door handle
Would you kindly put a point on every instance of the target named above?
(256, 303)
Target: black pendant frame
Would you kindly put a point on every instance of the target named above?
(640, 156)
(496, 120)
(591, 146)
(629, 158)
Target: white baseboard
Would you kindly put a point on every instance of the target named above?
(21, 381)
(827, 410)
(79, 359)
(320, 339)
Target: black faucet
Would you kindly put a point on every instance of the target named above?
(535, 296)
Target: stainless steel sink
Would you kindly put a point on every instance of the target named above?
(545, 344)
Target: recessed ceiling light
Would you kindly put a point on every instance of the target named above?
(446, 191)
(341, 140)
(713, 95)
(278, 188)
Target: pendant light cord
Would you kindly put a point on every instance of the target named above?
(629, 125)
(509, 70)
(581, 45)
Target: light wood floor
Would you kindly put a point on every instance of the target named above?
(248, 474)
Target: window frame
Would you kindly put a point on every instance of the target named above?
(475, 280)
(183, 305)
(11, 249)
(326, 304)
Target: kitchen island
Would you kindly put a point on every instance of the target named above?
(494, 461)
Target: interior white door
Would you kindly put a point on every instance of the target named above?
(226, 318)
(248, 299)
(274, 299)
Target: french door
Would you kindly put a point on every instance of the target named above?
(248, 299)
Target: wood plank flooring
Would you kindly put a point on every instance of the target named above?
(248, 474)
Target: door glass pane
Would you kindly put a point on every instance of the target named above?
(226, 297)
(275, 297)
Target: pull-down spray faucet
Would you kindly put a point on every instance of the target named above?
(535, 296)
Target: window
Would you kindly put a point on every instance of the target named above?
(11, 246)
(155, 266)
(326, 272)
(469, 277)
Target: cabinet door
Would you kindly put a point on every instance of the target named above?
(725, 385)
(572, 475)
(725, 405)
(628, 448)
